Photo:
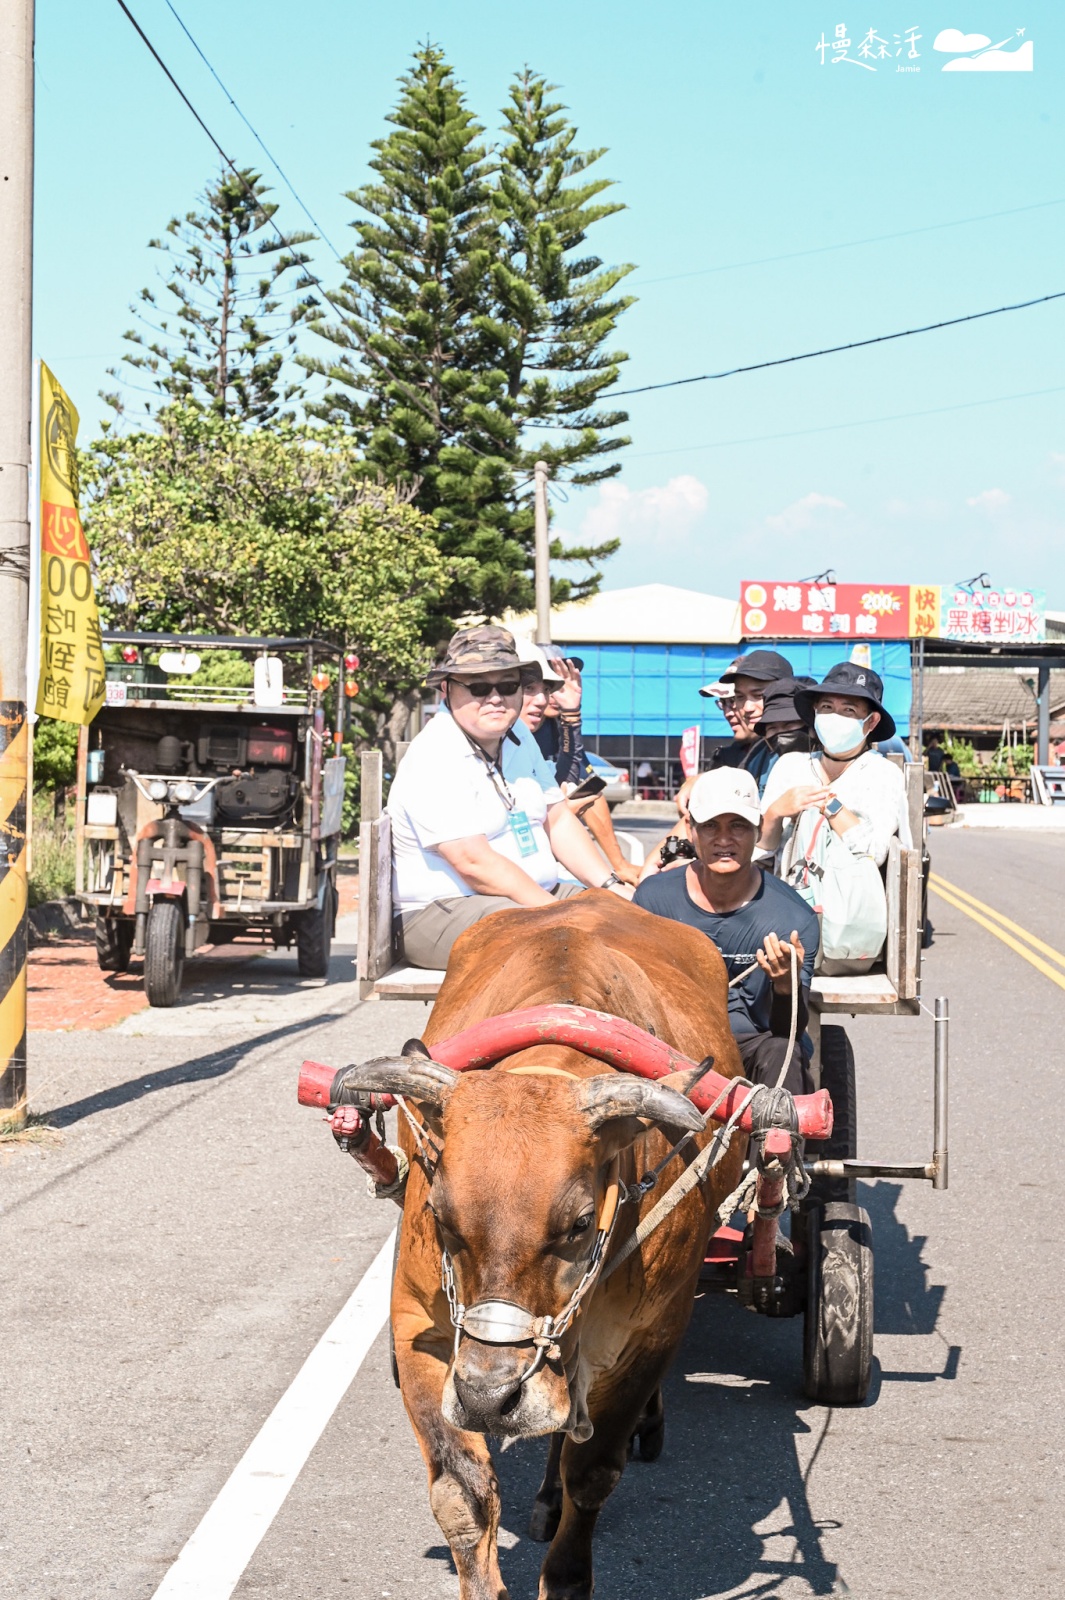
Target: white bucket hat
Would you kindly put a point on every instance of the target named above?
(726, 791)
(530, 655)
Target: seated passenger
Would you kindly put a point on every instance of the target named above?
(845, 796)
(551, 700)
(741, 691)
(478, 822)
(752, 918)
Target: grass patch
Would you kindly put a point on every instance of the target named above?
(52, 877)
(20, 1126)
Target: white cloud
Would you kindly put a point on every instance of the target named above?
(802, 514)
(1021, 60)
(954, 39)
(989, 500)
(664, 512)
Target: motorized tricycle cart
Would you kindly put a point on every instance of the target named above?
(208, 811)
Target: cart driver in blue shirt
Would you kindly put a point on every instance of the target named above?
(753, 918)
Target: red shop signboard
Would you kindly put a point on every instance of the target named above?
(823, 610)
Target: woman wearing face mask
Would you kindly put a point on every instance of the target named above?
(861, 796)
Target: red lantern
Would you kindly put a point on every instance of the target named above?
(351, 688)
(129, 654)
(321, 681)
(351, 662)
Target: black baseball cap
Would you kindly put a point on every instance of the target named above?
(765, 665)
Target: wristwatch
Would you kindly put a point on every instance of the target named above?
(834, 806)
(608, 882)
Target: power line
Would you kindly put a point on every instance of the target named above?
(835, 427)
(271, 158)
(835, 349)
(367, 351)
(846, 244)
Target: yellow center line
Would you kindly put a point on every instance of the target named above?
(989, 911)
(1015, 944)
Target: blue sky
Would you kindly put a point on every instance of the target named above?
(731, 145)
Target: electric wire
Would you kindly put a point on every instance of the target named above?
(835, 427)
(835, 349)
(258, 139)
(708, 377)
(367, 351)
(846, 244)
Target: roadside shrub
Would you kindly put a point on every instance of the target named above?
(52, 876)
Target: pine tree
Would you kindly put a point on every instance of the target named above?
(220, 332)
(556, 306)
(469, 328)
(409, 374)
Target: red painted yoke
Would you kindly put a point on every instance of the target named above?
(609, 1039)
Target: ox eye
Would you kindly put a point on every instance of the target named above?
(581, 1225)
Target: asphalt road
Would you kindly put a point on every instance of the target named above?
(173, 1258)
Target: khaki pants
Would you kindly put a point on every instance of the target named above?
(426, 936)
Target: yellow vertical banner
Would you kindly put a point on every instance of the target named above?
(72, 681)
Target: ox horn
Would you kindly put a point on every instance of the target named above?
(415, 1078)
(615, 1094)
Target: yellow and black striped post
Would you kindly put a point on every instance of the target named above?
(16, 308)
(14, 746)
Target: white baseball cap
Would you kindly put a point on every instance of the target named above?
(530, 655)
(728, 790)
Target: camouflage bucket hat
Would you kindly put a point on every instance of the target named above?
(474, 651)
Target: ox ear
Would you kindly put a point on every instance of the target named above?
(415, 1077)
(617, 1097)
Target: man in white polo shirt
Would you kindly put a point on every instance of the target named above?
(478, 821)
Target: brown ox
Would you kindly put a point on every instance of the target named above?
(526, 1160)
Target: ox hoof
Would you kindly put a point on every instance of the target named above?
(647, 1442)
(544, 1520)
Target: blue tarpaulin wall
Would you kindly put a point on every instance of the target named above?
(652, 690)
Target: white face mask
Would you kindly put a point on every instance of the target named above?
(838, 735)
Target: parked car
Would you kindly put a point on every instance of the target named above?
(618, 788)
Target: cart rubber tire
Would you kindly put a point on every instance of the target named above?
(838, 1323)
(314, 936)
(837, 1076)
(164, 953)
(114, 942)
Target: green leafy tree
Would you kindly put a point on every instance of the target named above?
(221, 328)
(556, 304)
(200, 524)
(55, 754)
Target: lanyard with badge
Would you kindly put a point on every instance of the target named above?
(517, 821)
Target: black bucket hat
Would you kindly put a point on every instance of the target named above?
(779, 703)
(861, 683)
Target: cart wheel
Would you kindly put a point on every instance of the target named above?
(114, 941)
(837, 1076)
(838, 1325)
(314, 936)
(164, 953)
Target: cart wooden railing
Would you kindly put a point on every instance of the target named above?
(891, 991)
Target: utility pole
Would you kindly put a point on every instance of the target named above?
(543, 562)
(16, 298)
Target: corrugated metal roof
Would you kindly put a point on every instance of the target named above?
(980, 700)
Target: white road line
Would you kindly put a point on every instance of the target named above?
(212, 1562)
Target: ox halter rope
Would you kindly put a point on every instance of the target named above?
(504, 1323)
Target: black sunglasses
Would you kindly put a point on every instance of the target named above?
(481, 691)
